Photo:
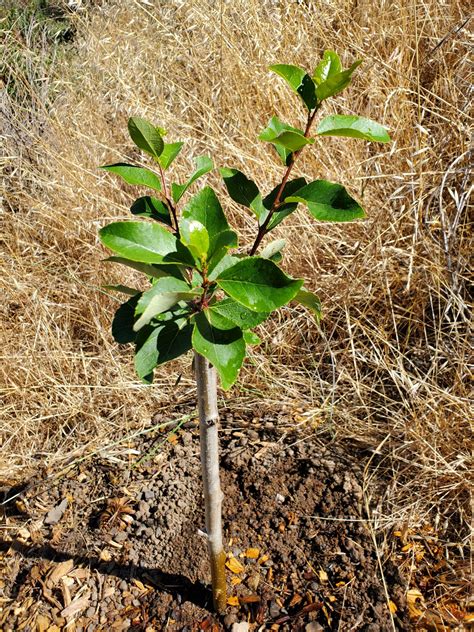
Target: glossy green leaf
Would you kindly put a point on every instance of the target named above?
(327, 201)
(251, 338)
(258, 284)
(275, 127)
(299, 81)
(151, 270)
(227, 261)
(284, 209)
(292, 140)
(353, 127)
(169, 153)
(273, 248)
(239, 187)
(310, 301)
(238, 314)
(145, 136)
(161, 297)
(335, 83)
(144, 242)
(135, 175)
(221, 342)
(329, 66)
(124, 319)
(123, 289)
(205, 208)
(194, 236)
(203, 165)
(165, 341)
(148, 206)
(219, 247)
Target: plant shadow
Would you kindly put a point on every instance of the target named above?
(179, 586)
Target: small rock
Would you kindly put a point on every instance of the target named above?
(274, 610)
(279, 498)
(123, 586)
(121, 536)
(90, 612)
(240, 627)
(56, 513)
(314, 627)
(148, 494)
(229, 619)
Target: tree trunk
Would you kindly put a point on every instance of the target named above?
(208, 431)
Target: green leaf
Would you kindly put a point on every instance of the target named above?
(145, 136)
(151, 270)
(123, 289)
(144, 242)
(275, 127)
(135, 175)
(164, 294)
(148, 206)
(258, 284)
(220, 245)
(310, 301)
(165, 341)
(273, 248)
(221, 342)
(239, 187)
(290, 139)
(238, 314)
(328, 202)
(284, 209)
(169, 153)
(194, 236)
(335, 83)
(205, 208)
(203, 165)
(299, 81)
(227, 261)
(251, 338)
(353, 127)
(329, 66)
(124, 319)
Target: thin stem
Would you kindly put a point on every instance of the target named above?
(168, 200)
(208, 423)
(263, 228)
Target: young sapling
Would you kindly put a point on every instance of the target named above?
(204, 294)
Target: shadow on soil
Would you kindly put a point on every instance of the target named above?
(179, 586)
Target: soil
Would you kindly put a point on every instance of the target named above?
(112, 545)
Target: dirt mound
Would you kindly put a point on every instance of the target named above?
(299, 548)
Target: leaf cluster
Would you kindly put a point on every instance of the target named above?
(205, 293)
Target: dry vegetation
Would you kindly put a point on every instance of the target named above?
(389, 370)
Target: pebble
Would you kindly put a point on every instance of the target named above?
(90, 612)
(279, 498)
(148, 494)
(123, 586)
(240, 627)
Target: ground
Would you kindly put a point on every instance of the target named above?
(114, 542)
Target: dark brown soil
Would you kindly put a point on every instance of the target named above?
(296, 503)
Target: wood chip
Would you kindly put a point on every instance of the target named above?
(252, 553)
(233, 601)
(234, 565)
(76, 606)
(60, 570)
(42, 623)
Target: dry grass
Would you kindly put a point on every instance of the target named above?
(389, 371)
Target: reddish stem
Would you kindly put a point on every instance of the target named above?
(263, 228)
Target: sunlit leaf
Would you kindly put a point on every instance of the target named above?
(145, 136)
(353, 127)
(135, 175)
(258, 284)
(327, 201)
(299, 81)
